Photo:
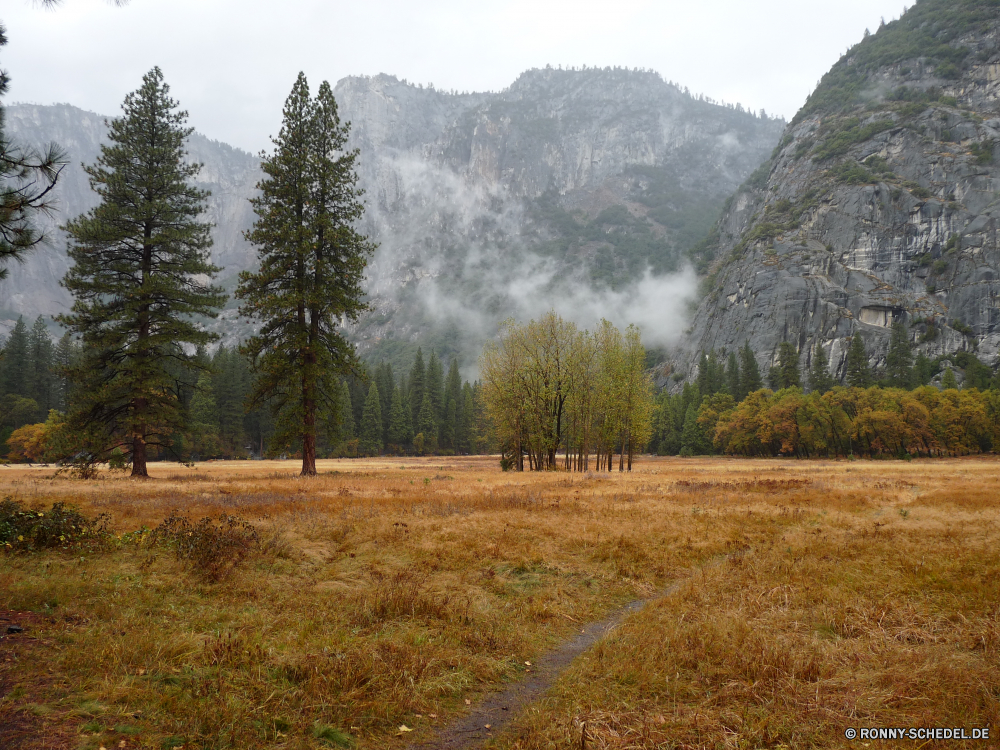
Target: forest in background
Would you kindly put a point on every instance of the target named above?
(914, 406)
(425, 410)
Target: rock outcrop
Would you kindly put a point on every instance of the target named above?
(880, 205)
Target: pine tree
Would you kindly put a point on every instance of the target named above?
(386, 386)
(750, 379)
(923, 370)
(786, 373)
(42, 360)
(140, 258)
(418, 379)
(948, 380)
(27, 178)
(434, 387)
(899, 361)
(463, 440)
(345, 422)
(734, 386)
(203, 432)
(311, 267)
(693, 442)
(427, 423)
(15, 377)
(859, 374)
(371, 423)
(66, 356)
(398, 423)
(820, 379)
(704, 375)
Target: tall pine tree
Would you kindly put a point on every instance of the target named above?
(15, 375)
(43, 387)
(899, 361)
(750, 379)
(859, 374)
(371, 423)
(140, 264)
(820, 379)
(312, 263)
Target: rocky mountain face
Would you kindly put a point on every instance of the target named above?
(565, 190)
(880, 205)
(572, 188)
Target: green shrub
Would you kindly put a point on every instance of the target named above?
(62, 527)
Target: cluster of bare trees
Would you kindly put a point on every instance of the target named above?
(550, 387)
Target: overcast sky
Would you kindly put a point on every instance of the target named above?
(232, 62)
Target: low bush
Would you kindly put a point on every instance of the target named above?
(62, 526)
(212, 549)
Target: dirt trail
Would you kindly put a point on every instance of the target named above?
(500, 708)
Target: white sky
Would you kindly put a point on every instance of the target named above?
(231, 63)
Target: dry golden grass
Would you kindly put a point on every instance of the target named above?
(813, 596)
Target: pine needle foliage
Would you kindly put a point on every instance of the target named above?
(312, 262)
(139, 276)
(27, 178)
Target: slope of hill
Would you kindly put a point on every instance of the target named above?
(880, 204)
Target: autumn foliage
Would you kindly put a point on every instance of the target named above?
(874, 422)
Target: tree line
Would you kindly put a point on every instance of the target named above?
(892, 411)
(550, 387)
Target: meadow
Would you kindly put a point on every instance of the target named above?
(375, 605)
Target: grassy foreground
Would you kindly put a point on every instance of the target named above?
(810, 597)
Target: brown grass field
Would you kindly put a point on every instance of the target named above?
(789, 601)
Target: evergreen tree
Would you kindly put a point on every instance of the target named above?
(786, 373)
(820, 379)
(434, 387)
(427, 423)
(693, 440)
(203, 432)
(386, 387)
(66, 356)
(27, 178)
(704, 375)
(42, 364)
(899, 361)
(418, 378)
(923, 370)
(16, 373)
(750, 379)
(948, 380)
(463, 441)
(734, 386)
(311, 269)
(345, 423)
(399, 432)
(229, 388)
(140, 258)
(859, 374)
(371, 423)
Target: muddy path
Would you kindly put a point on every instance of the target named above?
(494, 712)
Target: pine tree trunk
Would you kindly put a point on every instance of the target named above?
(139, 457)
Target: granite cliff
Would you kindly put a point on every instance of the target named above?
(879, 205)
